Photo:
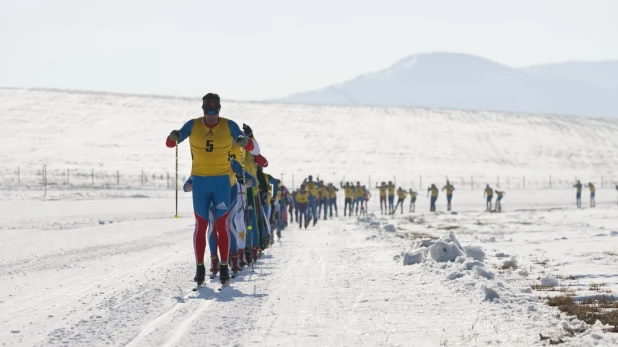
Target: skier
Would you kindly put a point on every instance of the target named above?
(412, 200)
(592, 191)
(434, 197)
(324, 199)
(489, 193)
(312, 188)
(391, 197)
(333, 199)
(254, 227)
(349, 195)
(578, 195)
(211, 176)
(359, 196)
(302, 201)
(383, 206)
(498, 200)
(365, 200)
(401, 196)
(449, 194)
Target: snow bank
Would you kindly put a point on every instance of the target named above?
(478, 272)
(510, 263)
(414, 257)
(549, 281)
(447, 248)
(475, 252)
(391, 228)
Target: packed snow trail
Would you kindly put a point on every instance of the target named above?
(127, 281)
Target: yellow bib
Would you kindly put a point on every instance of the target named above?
(302, 198)
(210, 148)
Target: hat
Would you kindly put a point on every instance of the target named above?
(211, 101)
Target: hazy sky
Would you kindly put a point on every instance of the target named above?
(249, 49)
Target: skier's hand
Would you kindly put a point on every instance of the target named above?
(272, 200)
(175, 135)
(240, 179)
(247, 129)
(242, 141)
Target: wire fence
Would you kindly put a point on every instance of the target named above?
(49, 177)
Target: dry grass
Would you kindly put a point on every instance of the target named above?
(413, 235)
(447, 227)
(569, 277)
(589, 311)
(542, 262)
(568, 290)
(596, 287)
(507, 267)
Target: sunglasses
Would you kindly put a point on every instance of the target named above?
(210, 112)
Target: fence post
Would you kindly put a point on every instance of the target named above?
(18, 178)
(117, 177)
(142, 178)
(167, 181)
(68, 179)
(92, 176)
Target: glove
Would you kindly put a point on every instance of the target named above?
(175, 135)
(247, 130)
(240, 179)
(272, 200)
(241, 141)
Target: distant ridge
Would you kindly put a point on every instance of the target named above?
(462, 81)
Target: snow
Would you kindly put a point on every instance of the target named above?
(114, 267)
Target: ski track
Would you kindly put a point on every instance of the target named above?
(333, 284)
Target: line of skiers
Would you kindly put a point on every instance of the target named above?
(432, 192)
(231, 193)
(315, 198)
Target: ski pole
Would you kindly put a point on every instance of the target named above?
(176, 215)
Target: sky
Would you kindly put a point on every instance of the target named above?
(254, 50)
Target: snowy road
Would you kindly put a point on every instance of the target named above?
(74, 278)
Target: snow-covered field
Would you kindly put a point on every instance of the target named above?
(113, 267)
(124, 134)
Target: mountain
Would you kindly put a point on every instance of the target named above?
(600, 73)
(461, 81)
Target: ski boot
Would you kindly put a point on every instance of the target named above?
(272, 239)
(278, 234)
(255, 253)
(315, 220)
(235, 266)
(224, 274)
(200, 274)
(241, 257)
(214, 266)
